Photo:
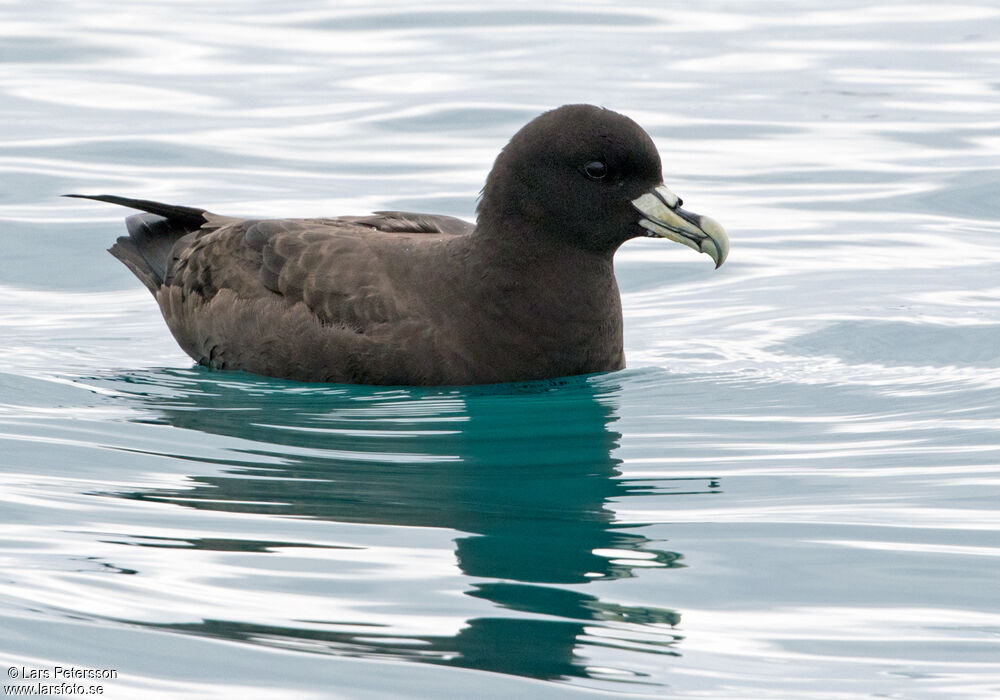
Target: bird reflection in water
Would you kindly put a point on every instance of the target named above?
(525, 473)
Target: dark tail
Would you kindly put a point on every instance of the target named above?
(147, 250)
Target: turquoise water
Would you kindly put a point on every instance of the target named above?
(791, 492)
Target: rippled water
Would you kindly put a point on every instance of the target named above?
(791, 492)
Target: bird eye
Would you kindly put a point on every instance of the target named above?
(595, 170)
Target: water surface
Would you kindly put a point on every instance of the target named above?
(791, 492)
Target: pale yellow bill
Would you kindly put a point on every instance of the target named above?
(664, 218)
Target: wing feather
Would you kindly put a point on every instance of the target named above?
(330, 266)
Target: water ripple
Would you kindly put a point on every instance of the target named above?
(790, 493)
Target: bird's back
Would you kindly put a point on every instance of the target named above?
(348, 299)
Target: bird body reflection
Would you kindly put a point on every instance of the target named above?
(524, 474)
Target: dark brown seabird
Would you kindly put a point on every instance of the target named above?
(528, 292)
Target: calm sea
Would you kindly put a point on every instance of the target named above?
(792, 491)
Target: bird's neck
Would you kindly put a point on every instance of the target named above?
(516, 246)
